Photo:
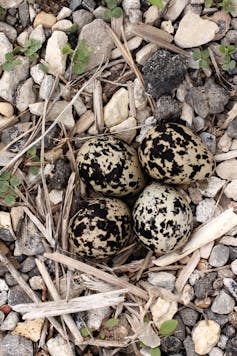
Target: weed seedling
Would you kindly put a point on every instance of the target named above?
(229, 64)
(225, 5)
(30, 49)
(7, 184)
(202, 57)
(11, 61)
(157, 3)
(33, 158)
(79, 57)
(113, 10)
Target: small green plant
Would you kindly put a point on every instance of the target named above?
(33, 158)
(225, 5)
(73, 28)
(11, 61)
(157, 3)
(2, 11)
(79, 57)
(30, 49)
(7, 184)
(43, 68)
(202, 57)
(113, 10)
(229, 64)
(107, 326)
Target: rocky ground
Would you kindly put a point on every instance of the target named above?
(68, 72)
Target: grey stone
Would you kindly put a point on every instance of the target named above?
(223, 303)
(3, 297)
(74, 4)
(231, 37)
(11, 20)
(9, 31)
(220, 319)
(10, 322)
(216, 352)
(171, 344)
(231, 285)
(205, 210)
(163, 72)
(24, 15)
(231, 347)
(162, 279)
(28, 264)
(82, 18)
(3, 285)
(10, 80)
(5, 47)
(198, 123)
(25, 95)
(9, 4)
(2, 316)
(189, 316)
(100, 43)
(14, 345)
(233, 253)
(9, 134)
(89, 4)
(46, 87)
(168, 109)
(229, 330)
(29, 242)
(189, 347)
(208, 99)
(16, 295)
(232, 129)
(180, 329)
(209, 140)
(219, 256)
(49, 139)
(61, 175)
(203, 287)
(222, 341)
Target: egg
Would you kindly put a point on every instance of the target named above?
(162, 218)
(110, 166)
(173, 154)
(100, 227)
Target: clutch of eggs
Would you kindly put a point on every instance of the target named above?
(173, 154)
(110, 166)
(100, 227)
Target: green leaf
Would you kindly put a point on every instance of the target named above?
(9, 200)
(157, 3)
(35, 159)
(111, 4)
(7, 67)
(232, 65)
(15, 181)
(34, 170)
(102, 335)
(73, 28)
(85, 331)
(197, 55)
(9, 56)
(227, 59)
(168, 327)
(208, 3)
(5, 176)
(107, 14)
(111, 323)
(33, 57)
(78, 68)
(67, 49)
(117, 12)
(2, 11)
(222, 49)
(230, 49)
(4, 186)
(32, 151)
(16, 62)
(205, 54)
(43, 68)
(203, 63)
(155, 352)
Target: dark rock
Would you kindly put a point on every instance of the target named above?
(231, 346)
(171, 344)
(49, 139)
(189, 316)
(16, 295)
(233, 253)
(89, 4)
(209, 140)
(163, 72)
(168, 109)
(208, 99)
(203, 287)
(229, 330)
(6, 235)
(231, 285)
(220, 319)
(232, 317)
(232, 129)
(24, 15)
(29, 242)
(180, 330)
(11, 20)
(74, 4)
(11, 133)
(28, 264)
(61, 174)
(189, 347)
(14, 345)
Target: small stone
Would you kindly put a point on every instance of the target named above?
(25, 95)
(189, 347)
(171, 344)
(162, 279)
(222, 341)
(198, 123)
(132, 44)
(96, 316)
(10, 80)
(85, 121)
(223, 304)
(140, 98)
(227, 169)
(28, 265)
(152, 15)
(37, 74)
(175, 9)
(38, 34)
(10, 322)
(146, 52)
(231, 190)
(53, 55)
(203, 303)
(56, 196)
(58, 346)
(9, 4)
(23, 36)
(59, 179)
(167, 26)
(6, 109)
(233, 267)
(203, 286)
(5, 47)
(233, 319)
(231, 285)
(232, 129)
(234, 144)
(168, 109)
(101, 42)
(224, 143)
(116, 110)
(3, 297)
(216, 352)
(36, 283)
(126, 130)
(205, 210)
(163, 310)
(3, 285)
(211, 187)
(79, 106)
(62, 25)
(193, 31)
(9, 31)
(64, 13)
(45, 19)
(205, 336)
(219, 256)
(30, 329)
(6, 232)
(209, 140)
(46, 87)
(130, 5)
(229, 330)
(82, 18)
(16, 345)
(23, 12)
(74, 4)
(221, 319)
(16, 295)
(30, 241)
(189, 316)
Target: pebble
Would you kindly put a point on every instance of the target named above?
(53, 55)
(74, 4)
(231, 285)
(25, 95)
(58, 346)
(38, 34)
(130, 5)
(193, 31)
(203, 286)
(234, 144)
(145, 53)
(189, 347)
(23, 36)
(30, 241)
(12, 345)
(3, 285)
(6, 109)
(46, 87)
(116, 110)
(3, 297)
(101, 43)
(95, 317)
(85, 121)
(205, 210)
(163, 72)
(140, 98)
(162, 279)
(234, 266)
(62, 25)
(180, 331)
(189, 316)
(30, 329)
(205, 336)
(16, 295)
(10, 321)
(152, 15)
(227, 169)
(82, 18)
(175, 9)
(223, 303)
(209, 140)
(126, 127)
(45, 19)
(132, 44)
(203, 303)
(36, 282)
(56, 196)
(6, 226)
(231, 190)
(28, 264)
(234, 10)
(170, 344)
(222, 341)
(79, 106)
(211, 187)
(10, 80)
(9, 4)
(232, 129)
(216, 352)
(5, 47)
(37, 74)
(24, 15)
(64, 13)
(231, 347)
(59, 179)
(9, 31)
(167, 26)
(163, 310)
(224, 143)
(219, 256)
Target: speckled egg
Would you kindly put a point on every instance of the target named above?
(162, 218)
(110, 166)
(173, 154)
(100, 227)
